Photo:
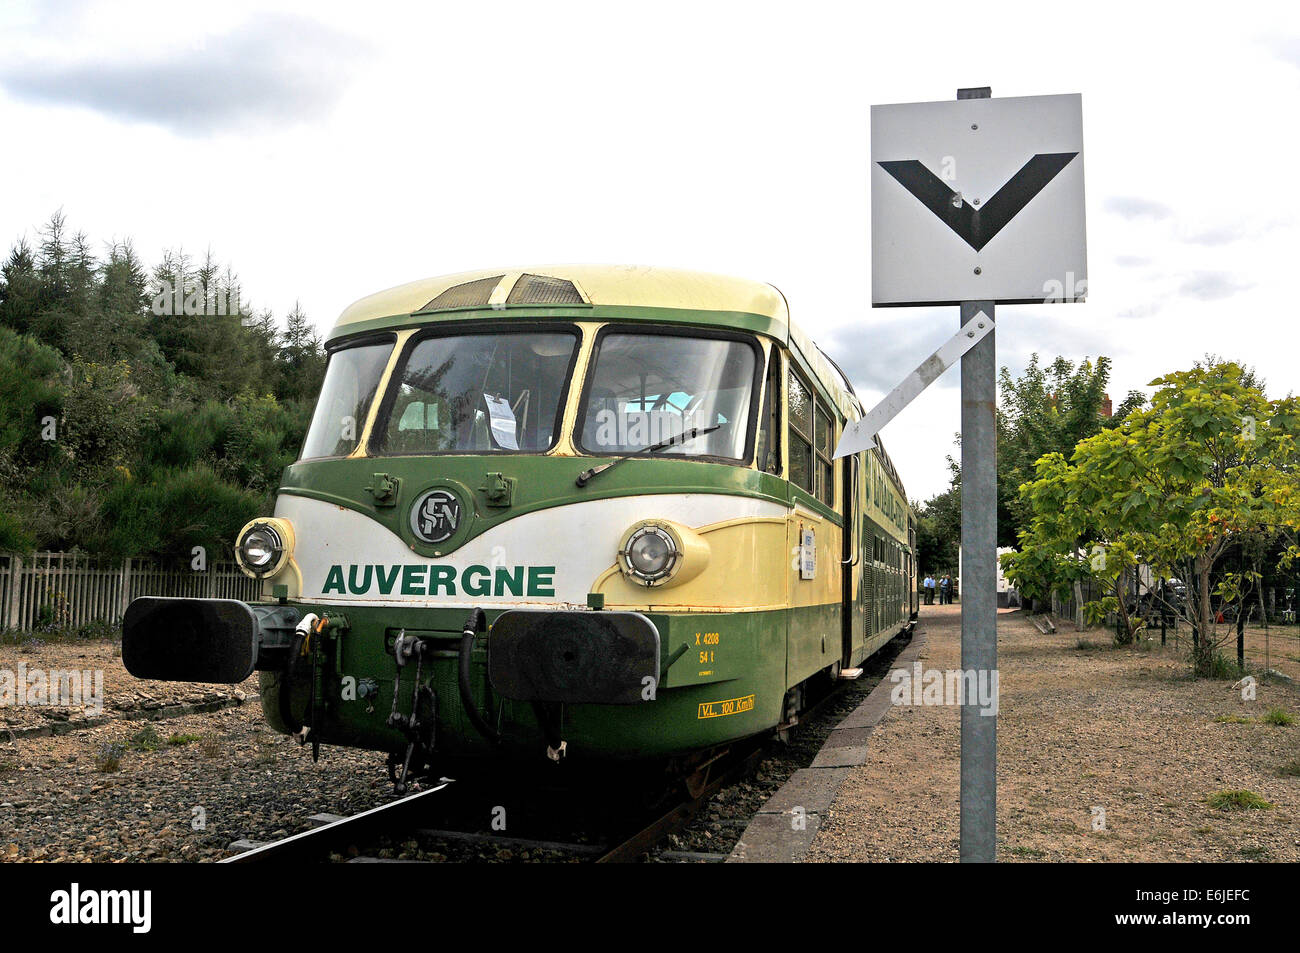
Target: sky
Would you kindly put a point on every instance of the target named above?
(329, 151)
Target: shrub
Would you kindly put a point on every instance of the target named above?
(99, 630)
(31, 389)
(146, 739)
(1238, 800)
(1223, 666)
(210, 745)
(174, 511)
(1277, 716)
(109, 757)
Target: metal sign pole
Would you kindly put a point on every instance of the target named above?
(979, 637)
(979, 614)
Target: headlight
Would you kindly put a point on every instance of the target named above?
(260, 547)
(650, 554)
(263, 547)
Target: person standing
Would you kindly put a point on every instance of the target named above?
(929, 589)
(945, 590)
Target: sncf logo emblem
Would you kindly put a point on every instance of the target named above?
(435, 516)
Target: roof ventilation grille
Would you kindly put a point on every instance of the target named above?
(470, 294)
(539, 289)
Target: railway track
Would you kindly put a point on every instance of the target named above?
(317, 842)
(627, 840)
(401, 817)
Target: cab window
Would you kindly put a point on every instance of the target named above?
(670, 394)
(768, 456)
(494, 392)
(351, 379)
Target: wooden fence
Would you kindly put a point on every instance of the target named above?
(72, 589)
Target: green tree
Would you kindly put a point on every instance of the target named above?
(32, 394)
(173, 414)
(938, 532)
(1210, 464)
(1047, 410)
(20, 292)
(301, 358)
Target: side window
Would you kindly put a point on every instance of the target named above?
(800, 442)
(824, 430)
(768, 457)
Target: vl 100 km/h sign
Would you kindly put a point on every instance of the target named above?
(978, 200)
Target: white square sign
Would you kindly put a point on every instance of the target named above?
(807, 554)
(978, 200)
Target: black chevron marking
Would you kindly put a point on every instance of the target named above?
(977, 227)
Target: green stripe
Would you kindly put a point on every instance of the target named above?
(739, 320)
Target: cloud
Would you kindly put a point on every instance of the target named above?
(1068, 330)
(1218, 235)
(1288, 50)
(249, 76)
(879, 352)
(1132, 261)
(1211, 286)
(1133, 206)
(1145, 310)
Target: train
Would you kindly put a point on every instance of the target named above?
(578, 514)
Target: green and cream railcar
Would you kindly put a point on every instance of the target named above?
(582, 510)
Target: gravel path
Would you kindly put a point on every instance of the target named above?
(1080, 728)
(187, 787)
(123, 695)
(225, 777)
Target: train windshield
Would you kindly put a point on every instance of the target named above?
(670, 394)
(351, 379)
(496, 392)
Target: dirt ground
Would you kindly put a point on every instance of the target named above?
(184, 788)
(123, 694)
(1125, 731)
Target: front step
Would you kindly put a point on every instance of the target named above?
(850, 674)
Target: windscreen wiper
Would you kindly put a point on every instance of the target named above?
(691, 434)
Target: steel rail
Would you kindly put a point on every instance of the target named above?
(319, 840)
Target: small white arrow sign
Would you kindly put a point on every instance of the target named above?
(860, 435)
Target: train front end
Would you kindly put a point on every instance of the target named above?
(525, 523)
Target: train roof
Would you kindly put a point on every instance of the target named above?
(577, 285)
